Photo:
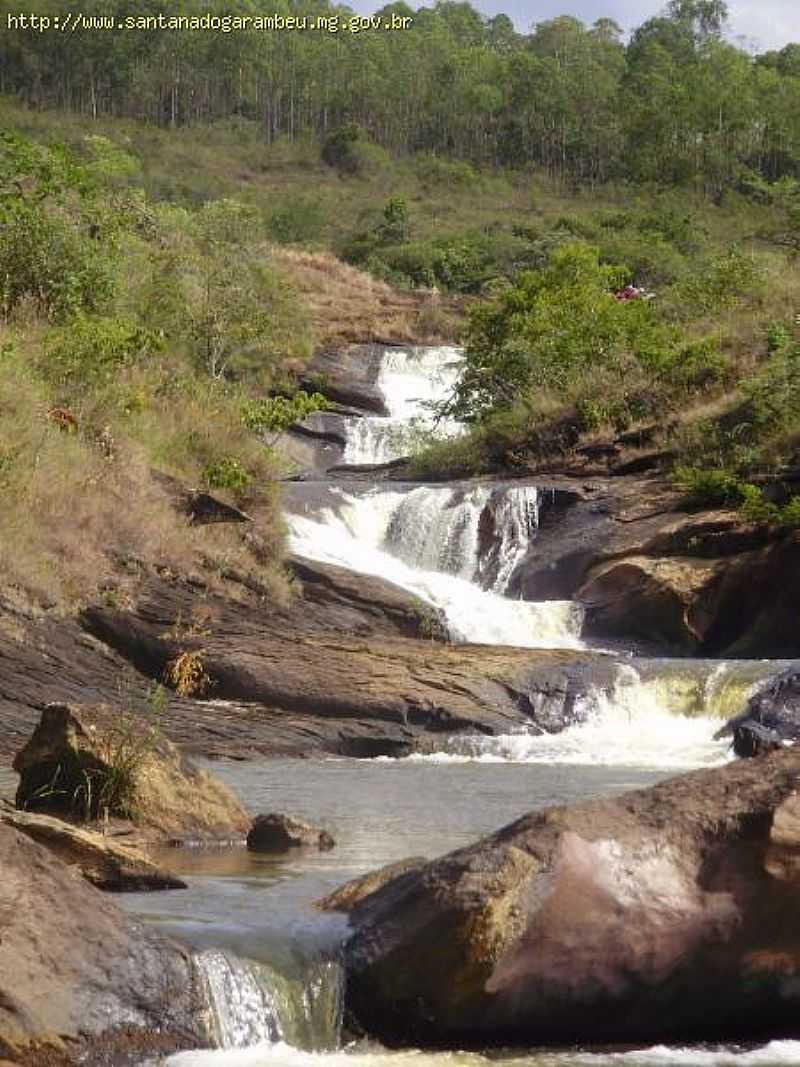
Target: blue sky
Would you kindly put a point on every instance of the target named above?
(756, 24)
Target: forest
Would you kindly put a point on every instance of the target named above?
(676, 103)
(186, 217)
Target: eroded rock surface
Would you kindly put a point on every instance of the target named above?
(104, 861)
(662, 915)
(72, 964)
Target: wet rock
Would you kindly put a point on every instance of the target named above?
(653, 916)
(347, 896)
(374, 600)
(72, 964)
(103, 861)
(82, 760)
(280, 833)
(771, 719)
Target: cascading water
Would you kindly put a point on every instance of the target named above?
(456, 549)
(660, 715)
(411, 380)
(427, 541)
(251, 1003)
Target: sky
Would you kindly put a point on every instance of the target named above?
(757, 25)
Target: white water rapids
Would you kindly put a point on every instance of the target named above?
(426, 541)
(411, 380)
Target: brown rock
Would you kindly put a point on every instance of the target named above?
(82, 760)
(279, 833)
(72, 963)
(103, 861)
(647, 917)
(347, 896)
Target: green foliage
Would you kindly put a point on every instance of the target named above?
(92, 351)
(340, 149)
(299, 221)
(722, 281)
(710, 487)
(552, 327)
(228, 473)
(46, 260)
(273, 415)
(717, 487)
(393, 227)
(773, 394)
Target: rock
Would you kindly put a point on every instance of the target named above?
(201, 507)
(331, 671)
(367, 602)
(103, 861)
(73, 964)
(668, 601)
(771, 719)
(347, 376)
(81, 760)
(650, 917)
(347, 896)
(279, 833)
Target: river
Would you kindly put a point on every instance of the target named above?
(267, 953)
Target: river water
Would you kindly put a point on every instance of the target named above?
(268, 955)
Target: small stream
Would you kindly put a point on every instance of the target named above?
(268, 955)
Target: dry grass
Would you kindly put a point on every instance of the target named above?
(348, 305)
(79, 521)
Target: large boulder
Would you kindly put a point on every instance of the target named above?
(84, 762)
(771, 719)
(73, 965)
(669, 913)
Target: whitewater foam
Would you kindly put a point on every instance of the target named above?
(411, 381)
(356, 536)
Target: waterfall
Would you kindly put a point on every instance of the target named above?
(659, 715)
(479, 534)
(453, 548)
(411, 380)
(252, 1004)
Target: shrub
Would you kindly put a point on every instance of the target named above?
(228, 473)
(710, 487)
(45, 258)
(273, 415)
(340, 149)
(92, 351)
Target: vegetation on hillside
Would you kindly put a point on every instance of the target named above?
(678, 102)
(184, 215)
(135, 339)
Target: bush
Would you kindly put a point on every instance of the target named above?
(343, 149)
(92, 351)
(299, 221)
(710, 487)
(48, 260)
(228, 473)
